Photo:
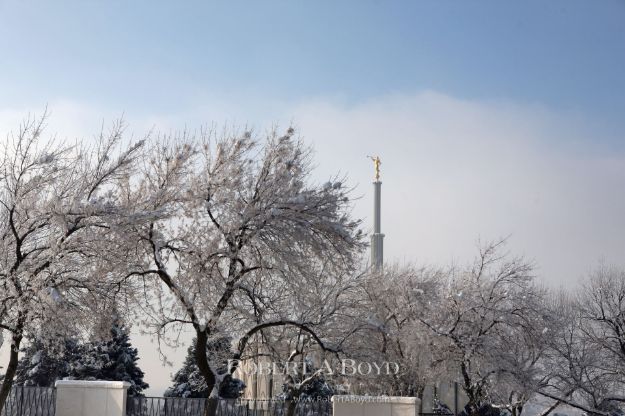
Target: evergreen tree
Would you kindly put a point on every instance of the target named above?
(189, 382)
(113, 359)
(42, 365)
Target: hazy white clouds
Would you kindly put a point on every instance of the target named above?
(457, 170)
(67, 119)
(453, 170)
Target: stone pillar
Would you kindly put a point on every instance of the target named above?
(375, 406)
(377, 238)
(91, 398)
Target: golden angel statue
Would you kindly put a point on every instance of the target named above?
(376, 163)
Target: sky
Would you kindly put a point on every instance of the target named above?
(492, 118)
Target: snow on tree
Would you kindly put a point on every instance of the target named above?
(189, 382)
(248, 241)
(386, 329)
(37, 368)
(303, 380)
(44, 363)
(524, 356)
(481, 325)
(601, 303)
(587, 350)
(480, 317)
(506, 340)
(110, 359)
(56, 203)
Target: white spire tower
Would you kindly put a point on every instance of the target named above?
(377, 238)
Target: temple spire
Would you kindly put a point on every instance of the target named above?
(377, 238)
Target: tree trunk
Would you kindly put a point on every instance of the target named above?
(207, 372)
(473, 405)
(472, 408)
(7, 383)
(290, 409)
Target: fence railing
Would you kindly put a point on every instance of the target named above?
(30, 401)
(177, 406)
(41, 401)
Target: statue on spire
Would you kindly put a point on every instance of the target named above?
(376, 163)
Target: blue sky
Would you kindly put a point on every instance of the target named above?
(158, 56)
(492, 118)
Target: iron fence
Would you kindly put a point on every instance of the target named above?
(41, 401)
(178, 406)
(30, 401)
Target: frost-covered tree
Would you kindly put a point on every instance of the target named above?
(572, 359)
(524, 365)
(113, 358)
(56, 202)
(189, 382)
(482, 325)
(587, 352)
(303, 380)
(249, 241)
(387, 330)
(601, 303)
(483, 313)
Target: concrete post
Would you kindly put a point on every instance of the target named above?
(91, 398)
(375, 406)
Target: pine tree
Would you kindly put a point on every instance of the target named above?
(42, 365)
(189, 382)
(113, 359)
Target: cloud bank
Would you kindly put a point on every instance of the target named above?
(458, 170)
(453, 170)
